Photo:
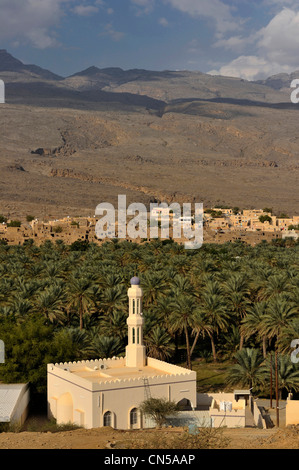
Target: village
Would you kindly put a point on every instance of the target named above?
(219, 226)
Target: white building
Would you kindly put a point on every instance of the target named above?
(14, 401)
(108, 392)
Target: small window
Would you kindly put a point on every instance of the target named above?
(138, 306)
(133, 306)
(133, 335)
(108, 418)
(133, 416)
(137, 335)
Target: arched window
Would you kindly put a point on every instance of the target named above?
(108, 418)
(138, 334)
(133, 306)
(138, 302)
(133, 335)
(133, 416)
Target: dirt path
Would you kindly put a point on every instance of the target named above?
(248, 438)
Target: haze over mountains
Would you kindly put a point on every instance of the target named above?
(70, 143)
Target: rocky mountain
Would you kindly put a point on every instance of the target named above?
(172, 85)
(8, 63)
(68, 144)
(281, 81)
(166, 86)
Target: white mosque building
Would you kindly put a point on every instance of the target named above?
(108, 392)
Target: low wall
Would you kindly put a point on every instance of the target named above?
(201, 419)
(258, 418)
(292, 412)
(20, 411)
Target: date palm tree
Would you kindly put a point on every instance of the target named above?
(288, 374)
(279, 314)
(247, 372)
(181, 319)
(50, 303)
(252, 323)
(80, 296)
(105, 347)
(159, 343)
(216, 315)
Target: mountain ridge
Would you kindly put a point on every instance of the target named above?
(165, 85)
(71, 143)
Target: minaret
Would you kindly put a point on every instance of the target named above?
(135, 351)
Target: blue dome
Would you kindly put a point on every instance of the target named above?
(135, 281)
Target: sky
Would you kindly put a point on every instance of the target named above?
(250, 39)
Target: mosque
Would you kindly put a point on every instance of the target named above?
(108, 392)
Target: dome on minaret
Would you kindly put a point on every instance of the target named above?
(135, 281)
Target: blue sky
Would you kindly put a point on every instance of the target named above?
(247, 38)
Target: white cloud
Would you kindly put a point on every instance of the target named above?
(163, 22)
(275, 48)
(279, 40)
(85, 10)
(144, 6)
(250, 68)
(215, 10)
(234, 43)
(112, 33)
(31, 20)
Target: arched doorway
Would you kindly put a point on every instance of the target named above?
(107, 419)
(65, 409)
(185, 404)
(134, 419)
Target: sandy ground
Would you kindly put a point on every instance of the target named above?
(247, 438)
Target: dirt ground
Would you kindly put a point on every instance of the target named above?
(107, 438)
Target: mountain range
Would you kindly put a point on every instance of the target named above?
(171, 135)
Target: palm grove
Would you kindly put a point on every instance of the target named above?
(232, 302)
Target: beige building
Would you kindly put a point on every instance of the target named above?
(108, 392)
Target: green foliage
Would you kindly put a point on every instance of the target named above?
(58, 229)
(159, 409)
(3, 219)
(247, 371)
(214, 214)
(268, 210)
(29, 347)
(63, 303)
(80, 245)
(14, 223)
(265, 218)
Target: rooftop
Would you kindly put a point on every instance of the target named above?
(114, 370)
(116, 373)
(9, 394)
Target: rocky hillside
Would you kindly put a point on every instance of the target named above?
(68, 144)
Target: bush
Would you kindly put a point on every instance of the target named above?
(205, 438)
(158, 409)
(58, 229)
(14, 223)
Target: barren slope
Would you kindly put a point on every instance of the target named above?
(62, 151)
